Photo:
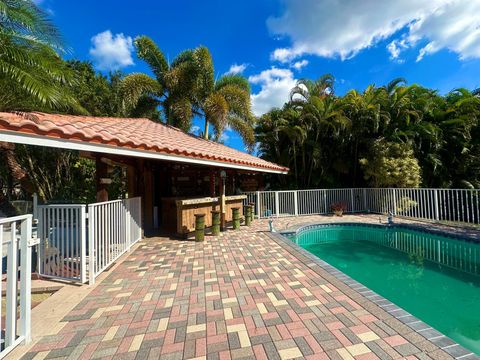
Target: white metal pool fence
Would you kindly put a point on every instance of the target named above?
(113, 227)
(78, 242)
(441, 205)
(16, 263)
(62, 249)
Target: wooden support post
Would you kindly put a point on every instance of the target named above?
(132, 181)
(212, 183)
(223, 223)
(148, 197)
(101, 172)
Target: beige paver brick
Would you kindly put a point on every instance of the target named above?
(110, 333)
(358, 349)
(136, 343)
(368, 336)
(291, 353)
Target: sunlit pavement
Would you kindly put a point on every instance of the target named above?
(243, 294)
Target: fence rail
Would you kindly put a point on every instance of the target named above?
(15, 237)
(113, 227)
(441, 205)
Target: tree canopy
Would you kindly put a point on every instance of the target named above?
(186, 88)
(394, 135)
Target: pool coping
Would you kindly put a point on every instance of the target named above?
(421, 328)
(424, 228)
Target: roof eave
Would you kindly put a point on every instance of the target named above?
(33, 139)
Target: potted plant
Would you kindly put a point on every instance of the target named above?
(338, 208)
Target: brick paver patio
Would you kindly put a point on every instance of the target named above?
(244, 294)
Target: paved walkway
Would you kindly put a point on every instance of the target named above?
(244, 294)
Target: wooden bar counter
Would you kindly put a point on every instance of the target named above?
(179, 214)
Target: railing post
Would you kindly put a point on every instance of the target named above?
(295, 199)
(41, 239)
(277, 205)
(25, 278)
(83, 244)
(351, 200)
(365, 200)
(11, 295)
(394, 201)
(91, 246)
(258, 204)
(435, 201)
(128, 224)
(325, 201)
(35, 206)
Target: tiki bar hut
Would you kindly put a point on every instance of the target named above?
(177, 175)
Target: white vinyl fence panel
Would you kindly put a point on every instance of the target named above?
(442, 205)
(16, 259)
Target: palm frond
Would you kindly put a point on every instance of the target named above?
(148, 51)
(236, 80)
(135, 86)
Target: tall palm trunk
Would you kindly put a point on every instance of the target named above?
(310, 171)
(205, 134)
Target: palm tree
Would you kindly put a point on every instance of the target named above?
(29, 62)
(321, 115)
(186, 88)
(461, 127)
(305, 88)
(228, 105)
(367, 119)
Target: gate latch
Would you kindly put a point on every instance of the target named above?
(33, 241)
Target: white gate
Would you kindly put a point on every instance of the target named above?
(78, 246)
(113, 227)
(62, 249)
(15, 242)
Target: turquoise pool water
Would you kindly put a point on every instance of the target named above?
(434, 277)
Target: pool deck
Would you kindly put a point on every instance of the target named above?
(244, 294)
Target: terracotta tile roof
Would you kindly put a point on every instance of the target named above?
(137, 134)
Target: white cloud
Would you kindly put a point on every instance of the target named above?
(395, 48)
(195, 130)
(236, 69)
(275, 85)
(342, 28)
(224, 138)
(300, 64)
(111, 52)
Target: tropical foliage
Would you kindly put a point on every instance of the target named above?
(396, 135)
(393, 135)
(186, 88)
(32, 73)
(34, 77)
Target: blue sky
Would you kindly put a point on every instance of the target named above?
(435, 43)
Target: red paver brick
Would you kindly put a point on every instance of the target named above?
(395, 340)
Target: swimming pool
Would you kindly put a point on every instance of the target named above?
(434, 277)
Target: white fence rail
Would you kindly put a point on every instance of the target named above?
(62, 248)
(446, 205)
(113, 227)
(15, 242)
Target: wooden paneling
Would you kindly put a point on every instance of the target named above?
(182, 217)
